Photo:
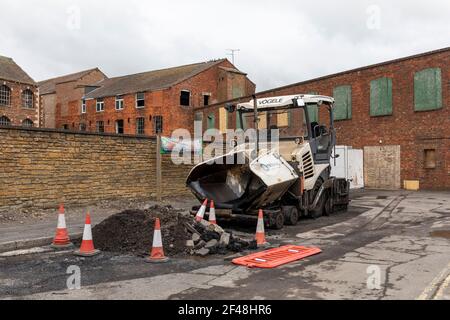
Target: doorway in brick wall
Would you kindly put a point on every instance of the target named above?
(382, 167)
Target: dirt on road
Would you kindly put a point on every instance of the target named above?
(131, 231)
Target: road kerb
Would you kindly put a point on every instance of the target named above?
(31, 243)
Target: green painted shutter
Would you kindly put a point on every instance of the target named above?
(343, 102)
(381, 97)
(428, 89)
(211, 121)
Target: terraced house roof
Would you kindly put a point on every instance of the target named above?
(10, 71)
(149, 81)
(49, 85)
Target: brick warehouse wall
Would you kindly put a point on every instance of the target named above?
(414, 131)
(41, 168)
(16, 112)
(165, 103)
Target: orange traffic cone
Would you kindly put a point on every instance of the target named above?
(61, 239)
(87, 244)
(212, 214)
(260, 236)
(157, 253)
(201, 211)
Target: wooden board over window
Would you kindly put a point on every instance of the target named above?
(343, 102)
(430, 158)
(262, 124)
(428, 89)
(382, 167)
(223, 120)
(381, 97)
(283, 119)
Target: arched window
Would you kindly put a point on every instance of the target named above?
(27, 98)
(5, 95)
(27, 123)
(4, 121)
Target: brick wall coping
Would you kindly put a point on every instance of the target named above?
(86, 133)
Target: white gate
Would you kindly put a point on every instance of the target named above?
(349, 165)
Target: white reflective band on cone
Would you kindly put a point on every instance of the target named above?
(61, 221)
(87, 233)
(201, 212)
(157, 242)
(212, 213)
(260, 226)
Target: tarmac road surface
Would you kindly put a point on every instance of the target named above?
(389, 245)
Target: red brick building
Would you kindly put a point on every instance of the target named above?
(398, 111)
(157, 100)
(56, 93)
(19, 97)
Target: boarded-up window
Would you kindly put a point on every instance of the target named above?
(381, 97)
(284, 119)
(430, 158)
(223, 120)
(343, 102)
(262, 124)
(428, 89)
(211, 121)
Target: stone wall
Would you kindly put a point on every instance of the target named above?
(43, 167)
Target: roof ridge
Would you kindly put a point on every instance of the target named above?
(67, 75)
(163, 69)
(151, 80)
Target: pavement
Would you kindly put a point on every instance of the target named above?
(388, 245)
(39, 231)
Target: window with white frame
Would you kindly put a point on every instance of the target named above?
(83, 106)
(100, 126)
(158, 124)
(82, 126)
(100, 105)
(119, 102)
(27, 98)
(140, 126)
(120, 126)
(5, 95)
(140, 100)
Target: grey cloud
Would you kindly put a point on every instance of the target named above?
(281, 41)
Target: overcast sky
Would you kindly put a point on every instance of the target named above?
(280, 42)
